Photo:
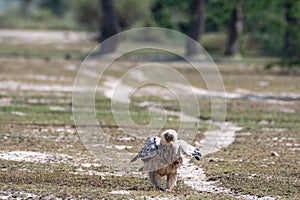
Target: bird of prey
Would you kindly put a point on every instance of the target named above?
(162, 156)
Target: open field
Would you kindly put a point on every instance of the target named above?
(41, 155)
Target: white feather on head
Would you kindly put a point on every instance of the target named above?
(171, 135)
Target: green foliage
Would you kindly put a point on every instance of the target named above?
(36, 14)
(264, 20)
(217, 15)
(131, 12)
(266, 27)
(285, 63)
(58, 7)
(87, 14)
(42, 14)
(172, 14)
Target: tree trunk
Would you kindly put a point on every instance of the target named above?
(25, 5)
(197, 28)
(290, 38)
(235, 31)
(110, 27)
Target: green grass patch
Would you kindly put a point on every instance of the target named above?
(249, 165)
(35, 114)
(38, 52)
(254, 116)
(46, 179)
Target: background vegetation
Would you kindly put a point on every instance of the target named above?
(270, 28)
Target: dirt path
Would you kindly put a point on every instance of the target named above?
(34, 35)
(192, 174)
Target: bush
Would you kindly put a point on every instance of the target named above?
(42, 14)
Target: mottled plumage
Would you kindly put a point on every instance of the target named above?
(163, 156)
(149, 150)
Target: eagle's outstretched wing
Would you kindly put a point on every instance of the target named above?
(157, 156)
(188, 149)
(149, 150)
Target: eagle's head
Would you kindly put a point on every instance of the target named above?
(169, 136)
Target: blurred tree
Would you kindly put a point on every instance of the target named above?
(172, 14)
(58, 7)
(291, 33)
(217, 15)
(185, 16)
(291, 46)
(197, 27)
(110, 27)
(276, 26)
(265, 23)
(235, 31)
(132, 12)
(87, 14)
(25, 6)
